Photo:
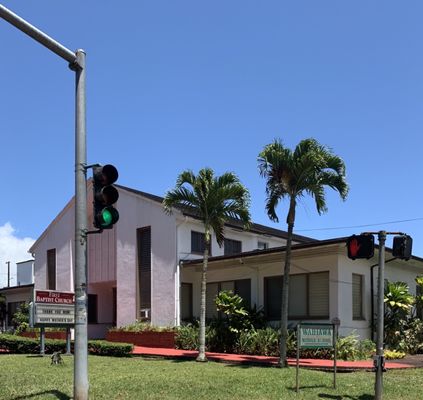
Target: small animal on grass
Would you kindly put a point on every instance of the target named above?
(56, 358)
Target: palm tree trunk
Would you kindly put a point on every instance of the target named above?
(202, 339)
(285, 286)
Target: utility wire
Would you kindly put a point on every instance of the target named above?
(359, 226)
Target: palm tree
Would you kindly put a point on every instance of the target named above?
(215, 200)
(292, 174)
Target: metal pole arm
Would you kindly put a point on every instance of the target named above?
(37, 35)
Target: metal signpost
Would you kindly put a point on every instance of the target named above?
(76, 62)
(314, 336)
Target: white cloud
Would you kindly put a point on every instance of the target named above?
(13, 249)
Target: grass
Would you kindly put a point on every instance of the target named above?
(29, 377)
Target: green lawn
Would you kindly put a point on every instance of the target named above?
(29, 377)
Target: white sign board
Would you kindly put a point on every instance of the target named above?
(52, 314)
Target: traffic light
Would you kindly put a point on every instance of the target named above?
(105, 195)
(361, 246)
(402, 247)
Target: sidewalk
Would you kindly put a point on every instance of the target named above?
(266, 361)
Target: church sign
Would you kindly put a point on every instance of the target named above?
(53, 308)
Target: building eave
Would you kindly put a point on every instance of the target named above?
(295, 248)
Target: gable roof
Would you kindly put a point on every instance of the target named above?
(255, 228)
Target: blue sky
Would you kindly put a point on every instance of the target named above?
(186, 84)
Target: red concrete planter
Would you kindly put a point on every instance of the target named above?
(49, 335)
(146, 339)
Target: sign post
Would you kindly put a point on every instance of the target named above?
(314, 336)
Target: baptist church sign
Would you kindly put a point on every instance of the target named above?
(53, 308)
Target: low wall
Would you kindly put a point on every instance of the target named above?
(146, 339)
(49, 335)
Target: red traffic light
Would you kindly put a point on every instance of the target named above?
(361, 246)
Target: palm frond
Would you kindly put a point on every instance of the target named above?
(179, 197)
(185, 177)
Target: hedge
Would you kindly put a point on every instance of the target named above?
(21, 345)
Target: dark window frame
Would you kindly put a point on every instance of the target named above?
(230, 247)
(361, 316)
(11, 309)
(219, 289)
(143, 272)
(191, 314)
(51, 269)
(198, 243)
(307, 293)
(92, 308)
(265, 245)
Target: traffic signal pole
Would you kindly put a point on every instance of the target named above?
(379, 359)
(81, 328)
(77, 63)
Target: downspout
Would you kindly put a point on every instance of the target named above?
(372, 319)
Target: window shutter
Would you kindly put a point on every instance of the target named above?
(186, 301)
(357, 296)
(144, 270)
(297, 303)
(232, 246)
(198, 243)
(243, 289)
(319, 294)
(273, 297)
(51, 269)
(211, 293)
(92, 308)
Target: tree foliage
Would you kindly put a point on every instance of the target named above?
(291, 175)
(214, 200)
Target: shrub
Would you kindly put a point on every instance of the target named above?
(366, 349)
(347, 347)
(393, 354)
(267, 342)
(246, 343)
(258, 341)
(187, 337)
(219, 338)
(21, 318)
(141, 326)
(112, 349)
(412, 337)
(21, 345)
(398, 305)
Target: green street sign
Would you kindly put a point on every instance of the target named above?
(312, 336)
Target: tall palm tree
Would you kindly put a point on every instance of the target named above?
(215, 200)
(290, 175)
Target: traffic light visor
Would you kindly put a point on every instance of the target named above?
(109, 195)
(106, 175)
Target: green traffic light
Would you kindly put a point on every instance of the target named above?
(109, 216)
